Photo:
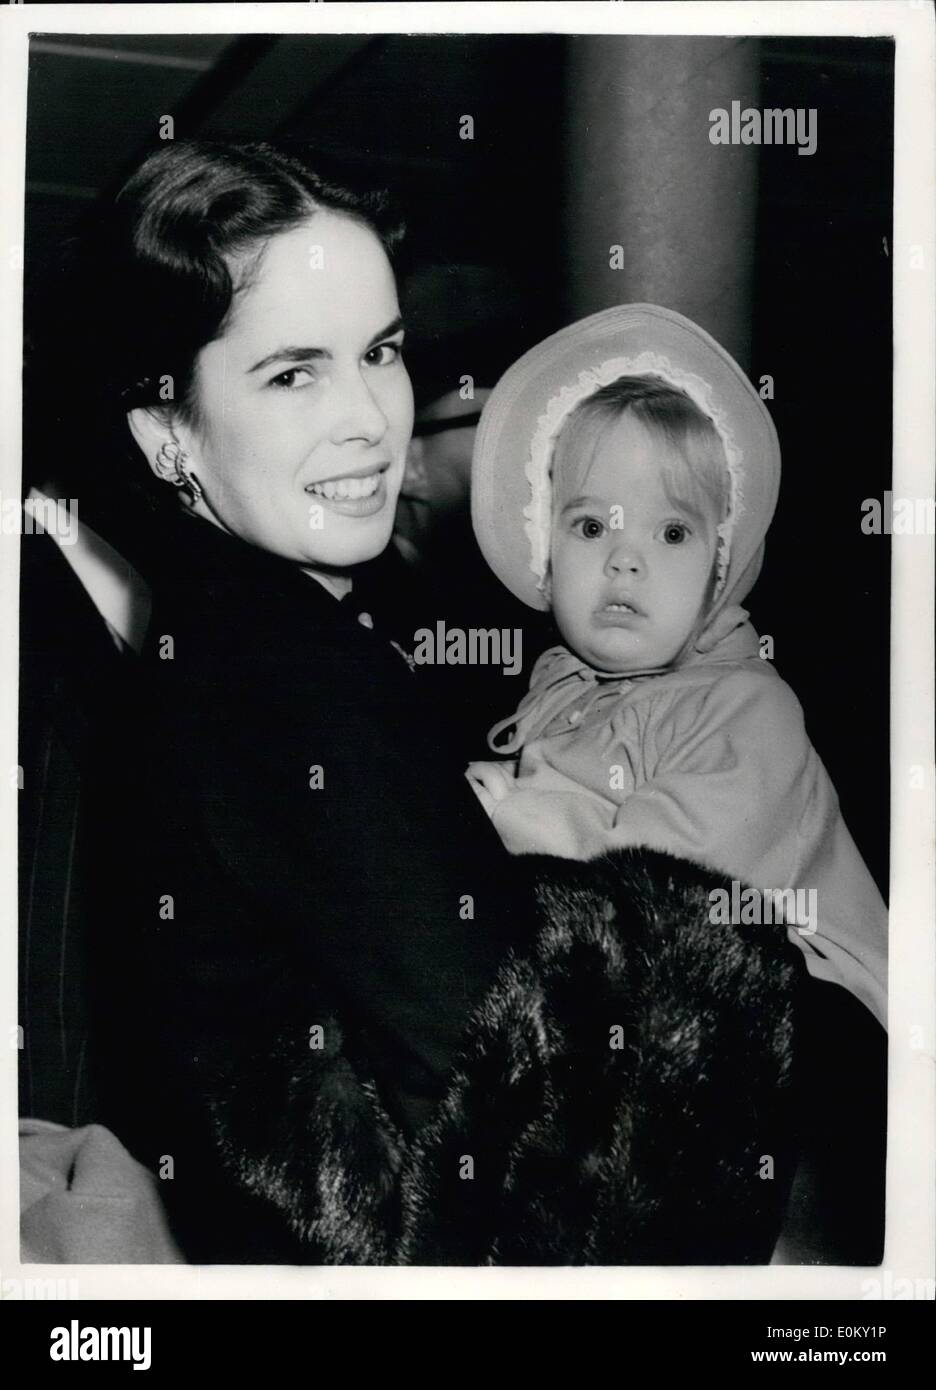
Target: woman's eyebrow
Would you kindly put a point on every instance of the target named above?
(394, 327)
(311, 354)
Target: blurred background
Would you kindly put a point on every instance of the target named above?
(520, 163)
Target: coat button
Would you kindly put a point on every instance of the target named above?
(365, 620)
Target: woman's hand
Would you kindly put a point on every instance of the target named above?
(491, 782)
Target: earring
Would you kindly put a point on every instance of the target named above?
(190, 483)
(171, 459)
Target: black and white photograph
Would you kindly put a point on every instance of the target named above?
(469, 645)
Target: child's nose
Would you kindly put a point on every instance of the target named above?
(625, 557)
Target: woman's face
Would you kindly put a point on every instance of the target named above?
(304, 406)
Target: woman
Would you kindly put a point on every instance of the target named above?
(361, 1041)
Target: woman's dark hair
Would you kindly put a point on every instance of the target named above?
(166, 242)
(148, 284)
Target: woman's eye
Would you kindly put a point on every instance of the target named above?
(292, 379)
(675, 532)
(589, 527)
(384, 354)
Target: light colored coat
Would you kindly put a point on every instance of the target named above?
(709, 762)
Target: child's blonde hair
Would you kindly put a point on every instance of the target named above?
(694, 467)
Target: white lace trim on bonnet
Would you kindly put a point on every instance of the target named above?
(538, 512)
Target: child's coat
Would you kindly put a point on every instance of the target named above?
(709, 762)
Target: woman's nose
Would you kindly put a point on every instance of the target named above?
(357, 414)
(624, 557)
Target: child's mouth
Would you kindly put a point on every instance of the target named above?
(618, 614)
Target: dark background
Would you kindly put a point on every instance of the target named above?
(486, 268)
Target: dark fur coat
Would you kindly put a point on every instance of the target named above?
(623, 1096)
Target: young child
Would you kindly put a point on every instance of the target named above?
(625, 474)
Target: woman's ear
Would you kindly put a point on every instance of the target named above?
(153, 431)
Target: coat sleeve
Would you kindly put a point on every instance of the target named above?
(721, 768)
(732, 778)
(626, 1089)
(622, 1095)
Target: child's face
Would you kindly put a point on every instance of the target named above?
(630, 570)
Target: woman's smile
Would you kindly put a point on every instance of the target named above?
(361, 493)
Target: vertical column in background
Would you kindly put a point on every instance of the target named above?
(640, 173)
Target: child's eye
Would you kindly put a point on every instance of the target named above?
(292, 379)
(384, 354)
(675, 532)
(589, 527)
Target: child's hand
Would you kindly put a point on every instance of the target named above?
(491, 782)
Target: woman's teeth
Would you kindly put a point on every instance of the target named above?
(346, 489)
